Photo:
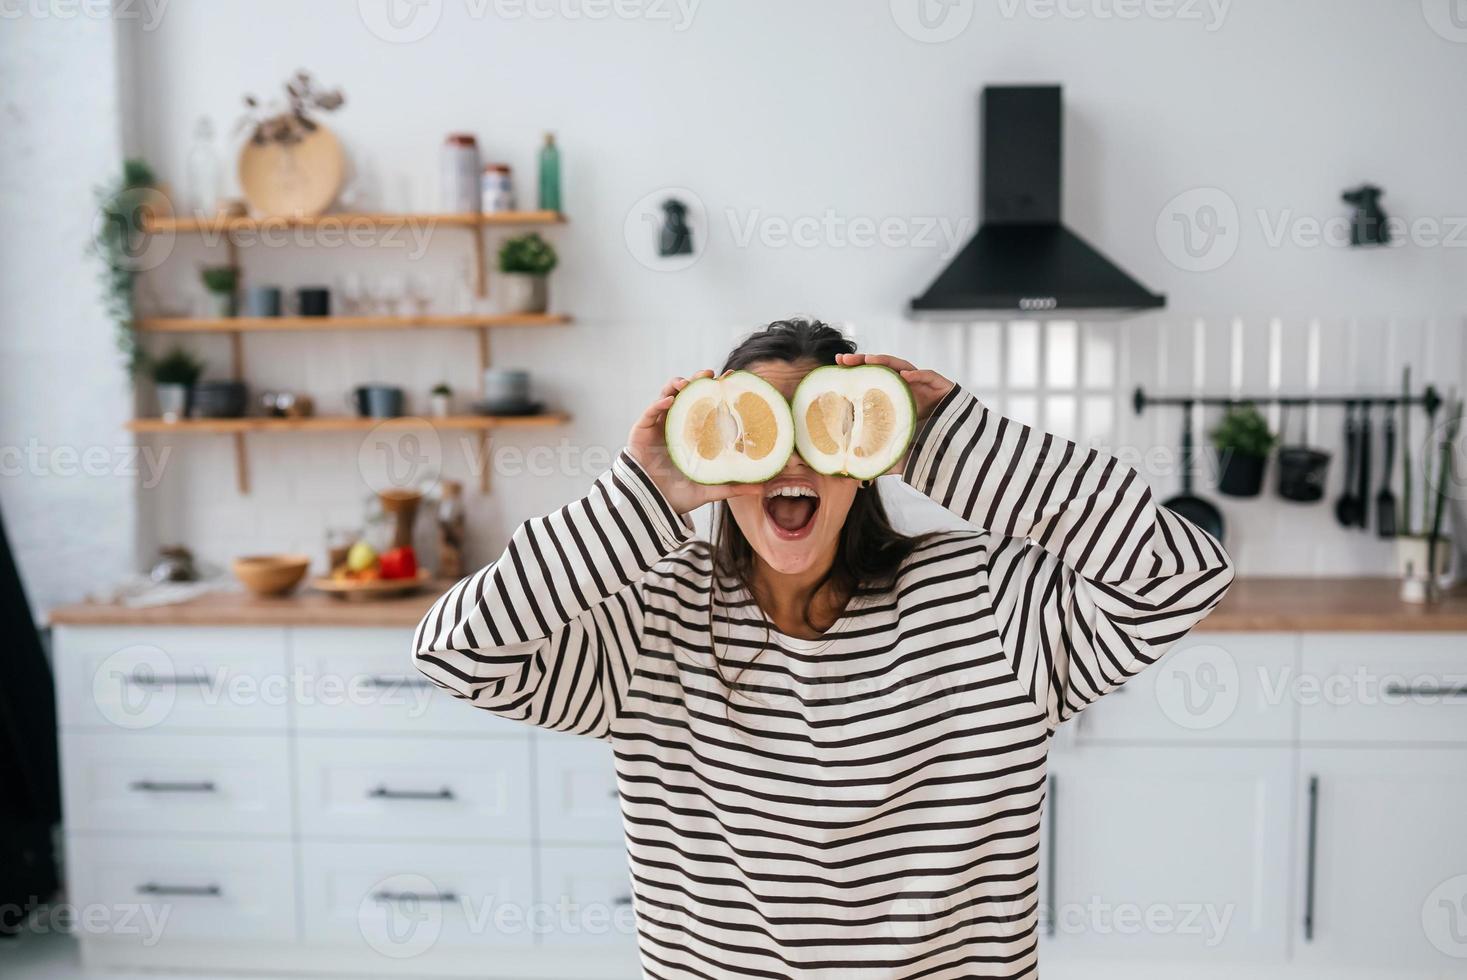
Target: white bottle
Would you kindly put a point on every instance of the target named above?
(458, 180)
(202, 170)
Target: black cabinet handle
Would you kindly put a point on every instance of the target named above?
(1426, 691)
(148, 679)
(383, 793)
(414, 897)
(1051, 852)
(1310, 848)
(622, 900)
(201, 891)
(405, 683)
(154, 786)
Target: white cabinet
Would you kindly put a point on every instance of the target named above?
(363, 680)
(1383, 688)
(170, 783)
(577, 790)
(1387, 883)
(1213, 687)
(176, 890)
(403, 900)
(590, 891)
(415, 788)
(1176, 852)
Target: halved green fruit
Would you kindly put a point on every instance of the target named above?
(853, 421)
(734, 429)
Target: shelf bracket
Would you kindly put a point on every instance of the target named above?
(481, 272)
(484, 464)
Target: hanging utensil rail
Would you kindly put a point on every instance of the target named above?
(1429, 399)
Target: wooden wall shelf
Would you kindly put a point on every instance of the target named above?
(285, 324)
(345, 423)
(196, 224)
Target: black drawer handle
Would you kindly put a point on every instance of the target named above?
(393, 683)
(383, 793)
(622, 900)
(1426, 691)
(201, 891)
(1311, 848)
(415, 897)
(154, 786)
(148, 679)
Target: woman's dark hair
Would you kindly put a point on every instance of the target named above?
(870, 550)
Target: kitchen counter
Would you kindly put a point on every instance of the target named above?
(1259, 605)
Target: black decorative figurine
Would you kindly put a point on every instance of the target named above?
(676, 237)
(1368, 223)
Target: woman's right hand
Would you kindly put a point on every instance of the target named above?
(647, 444)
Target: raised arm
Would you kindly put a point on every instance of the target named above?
(1089, 578)
(549, 633)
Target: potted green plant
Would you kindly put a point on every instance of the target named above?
(174, 375)
(441, 398)
(121, 242)
(1243, 441)
(1423, 550)
(222, 282)
(526, 261)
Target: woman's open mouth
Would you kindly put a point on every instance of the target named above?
(791, 509)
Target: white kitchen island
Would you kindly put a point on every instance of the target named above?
(267, 785)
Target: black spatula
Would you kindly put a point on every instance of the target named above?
(1385, 500)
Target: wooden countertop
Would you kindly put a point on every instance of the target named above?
(1259, 605)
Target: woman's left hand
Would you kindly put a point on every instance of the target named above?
(928, 387)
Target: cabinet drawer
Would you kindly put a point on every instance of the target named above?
(186, 890)
(594, 889)
(414, 788)
(363, 680)
(1383, 687)
(211, 784)
(400, 900)
(1210, 688)
(141, 678)
(576, 780)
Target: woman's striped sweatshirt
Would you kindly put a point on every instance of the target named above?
(866, 805)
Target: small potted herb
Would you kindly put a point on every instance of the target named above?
(1243, 441)
(174, 375)
(222, 282)
(441, 399)
(526, 261)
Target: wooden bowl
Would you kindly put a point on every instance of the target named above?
(271, 574)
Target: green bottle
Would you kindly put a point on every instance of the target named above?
(549, 175)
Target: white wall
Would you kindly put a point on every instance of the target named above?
(774, 111)
(66, 467)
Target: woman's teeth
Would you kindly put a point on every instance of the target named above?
(792, 491)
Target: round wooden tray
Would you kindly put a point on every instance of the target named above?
(382, 588)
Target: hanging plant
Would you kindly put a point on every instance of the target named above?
(292, 120)
(124, 206)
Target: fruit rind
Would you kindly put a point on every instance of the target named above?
(835, 377)
(745, 470)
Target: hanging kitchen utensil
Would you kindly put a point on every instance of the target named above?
(1346, 504)
(1187, 504)
(1362, 478)
(1301, 469)
(1385, 500)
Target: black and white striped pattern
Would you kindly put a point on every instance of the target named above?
(866, 805)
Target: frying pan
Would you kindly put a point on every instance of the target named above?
(1186, 503)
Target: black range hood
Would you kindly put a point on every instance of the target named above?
(1022, 260)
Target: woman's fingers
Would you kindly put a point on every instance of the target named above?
(885, 360)
(652, 417)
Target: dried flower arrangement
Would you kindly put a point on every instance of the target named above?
(289, 122)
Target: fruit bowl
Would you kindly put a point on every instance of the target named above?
(377, 588)
(269, 575)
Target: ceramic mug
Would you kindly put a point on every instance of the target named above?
(313, 301)
(262, 301)
(506, 388)
(376, 401)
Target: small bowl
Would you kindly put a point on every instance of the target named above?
(271, 574)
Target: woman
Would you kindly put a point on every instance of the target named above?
(830, 738)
